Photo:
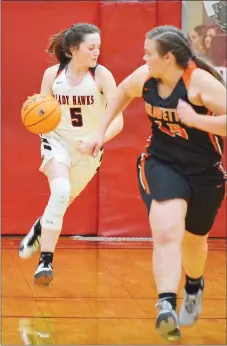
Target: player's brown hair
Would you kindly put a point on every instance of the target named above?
(60, 43)
(171, 39)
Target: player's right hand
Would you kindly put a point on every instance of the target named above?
(91, 145)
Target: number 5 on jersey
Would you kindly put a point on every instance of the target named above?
(76, 117)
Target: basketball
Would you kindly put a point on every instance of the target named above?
(40, 114)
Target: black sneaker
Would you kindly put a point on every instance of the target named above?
(31, 242)
(44, 273)
(167, 321)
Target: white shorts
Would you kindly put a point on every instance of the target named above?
(82, 166)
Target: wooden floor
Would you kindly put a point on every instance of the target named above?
(102, 294)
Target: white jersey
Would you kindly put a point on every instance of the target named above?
(82, 106)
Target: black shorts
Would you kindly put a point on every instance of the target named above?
(204, 192)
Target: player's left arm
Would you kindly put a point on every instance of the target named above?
(107, 84)
(212, 95)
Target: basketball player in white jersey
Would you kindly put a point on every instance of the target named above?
(82, 88)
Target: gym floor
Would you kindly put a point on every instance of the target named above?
(102, 293)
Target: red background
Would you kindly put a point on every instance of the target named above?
(111, 203)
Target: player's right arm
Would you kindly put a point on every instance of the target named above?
(130, 88)
(48, 80)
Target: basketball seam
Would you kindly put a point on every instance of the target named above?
(44, 118)
(35, 105)
(47, 131)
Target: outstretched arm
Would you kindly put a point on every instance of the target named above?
(129, 89)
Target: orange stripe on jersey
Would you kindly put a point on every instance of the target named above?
(188, 72)
(187, 78)
(214, 139)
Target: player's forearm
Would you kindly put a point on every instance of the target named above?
(114, 128)
(216, 124)
(114, 107)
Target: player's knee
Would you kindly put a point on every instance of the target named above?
(166, 234)
(58, 203)
(60, 190)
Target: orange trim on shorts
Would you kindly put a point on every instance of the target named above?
(143, 176)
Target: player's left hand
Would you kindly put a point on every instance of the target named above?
(187, 114)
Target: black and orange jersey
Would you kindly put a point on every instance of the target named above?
(189, 149)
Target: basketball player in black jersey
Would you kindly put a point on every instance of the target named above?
(180, 175)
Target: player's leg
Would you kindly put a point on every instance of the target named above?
(82, 172)
(51, 147)
(202, 210)
(55, 165)
(52, 219)
(165, 193)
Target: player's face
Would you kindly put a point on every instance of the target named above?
(209, 36)
(89, 50)
(157, 65)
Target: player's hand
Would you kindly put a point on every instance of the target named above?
(187, 114)
(91, 145)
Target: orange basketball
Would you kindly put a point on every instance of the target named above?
(40, 114)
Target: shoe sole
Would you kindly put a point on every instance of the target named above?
(167, 328)
(43, 278)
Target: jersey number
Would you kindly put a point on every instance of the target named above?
(76, 117)
(173, 131)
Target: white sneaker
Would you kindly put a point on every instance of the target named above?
(43, 274)
(31, 242)
(167, 321)
(191, 308)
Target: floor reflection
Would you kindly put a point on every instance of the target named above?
(35, 331)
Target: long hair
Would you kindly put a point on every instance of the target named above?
(171, 39)
(60, 43)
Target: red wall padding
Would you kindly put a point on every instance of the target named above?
(26, 29)
(111, 202)
(122, 211)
